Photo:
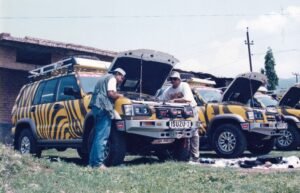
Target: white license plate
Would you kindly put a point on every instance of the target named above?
(178, 124)
(282, 125)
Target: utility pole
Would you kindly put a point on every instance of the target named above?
(296, 74)
(248, 43)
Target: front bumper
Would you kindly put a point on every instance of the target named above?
(158, 129)
(269, 129)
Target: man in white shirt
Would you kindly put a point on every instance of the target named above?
(180, 92)
(102, 105)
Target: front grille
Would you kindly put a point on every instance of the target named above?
(271, 118)
(274, 118)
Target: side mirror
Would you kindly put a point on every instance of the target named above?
(70, 91)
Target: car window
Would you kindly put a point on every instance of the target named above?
(68, 81)
(48, 94)
(38, 94)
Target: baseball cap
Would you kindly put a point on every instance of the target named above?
(175, 75)
(119, 70)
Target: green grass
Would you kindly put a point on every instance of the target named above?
(28, 174)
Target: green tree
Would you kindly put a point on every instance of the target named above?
(270, 70)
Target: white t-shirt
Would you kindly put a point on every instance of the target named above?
(112, 84)
(182, 91)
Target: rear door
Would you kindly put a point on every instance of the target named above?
(43, 109)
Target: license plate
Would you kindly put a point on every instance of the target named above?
(178, 124)
(281, 125)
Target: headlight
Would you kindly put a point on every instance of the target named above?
(141, 110)
(250, 115)
(128, 110)
(188, 112)
(258, 115)
(137, 110)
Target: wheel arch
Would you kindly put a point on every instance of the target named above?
(22, 124)
(291, 120)
(223, 119)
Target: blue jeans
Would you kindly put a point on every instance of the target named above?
(101, 135)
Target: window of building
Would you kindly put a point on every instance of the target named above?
(33, 57)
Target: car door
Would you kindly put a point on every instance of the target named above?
(44, 110)
(69, 98)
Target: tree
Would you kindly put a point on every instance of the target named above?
(270, 70)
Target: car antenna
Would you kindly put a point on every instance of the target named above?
(141, 77)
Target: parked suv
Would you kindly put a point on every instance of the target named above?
(229, 125)
(289, 107)
(52, 111)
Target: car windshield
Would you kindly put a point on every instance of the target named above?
(267, 101)
(88, 81)
(210, 95)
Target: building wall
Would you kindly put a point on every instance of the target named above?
(11, 81)
(8, 60)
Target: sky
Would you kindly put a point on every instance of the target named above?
(205, 35)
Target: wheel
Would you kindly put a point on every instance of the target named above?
(229, 141)
(164, 154)
(182, 149)
(290, 139)
(83, 155)
(261, 147)
(115, 149)
(27, 144)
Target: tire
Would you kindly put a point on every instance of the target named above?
(27, 143)
(164, 154)
(115, 150)
(290, 140)
(229, 141)
(182, 149)
(261, 147)
(83, 155)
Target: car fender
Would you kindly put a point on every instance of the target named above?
(29, 122)
(223, 118)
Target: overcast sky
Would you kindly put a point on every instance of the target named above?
(205, 35)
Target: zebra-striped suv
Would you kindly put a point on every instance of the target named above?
(52, 111)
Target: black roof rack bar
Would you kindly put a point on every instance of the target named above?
(51, 67)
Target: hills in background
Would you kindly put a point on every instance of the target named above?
(285, 83)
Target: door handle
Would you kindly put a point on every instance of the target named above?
(57, 106)
(32, 109)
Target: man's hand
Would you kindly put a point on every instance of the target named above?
(179, 100)
(114, 95)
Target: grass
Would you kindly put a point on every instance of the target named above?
(64, 174)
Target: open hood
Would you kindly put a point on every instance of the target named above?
(155, 67)
(291, 97)
(243, 87)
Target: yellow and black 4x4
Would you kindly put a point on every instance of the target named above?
(230, 126)
(289, 107)
(52, 111)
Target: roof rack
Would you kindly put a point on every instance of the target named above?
(62, 64)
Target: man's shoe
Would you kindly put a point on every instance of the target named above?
(102, 167)
(194, 161)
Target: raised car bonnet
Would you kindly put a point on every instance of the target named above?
(291, 97)
(155, 67)
(243, 87)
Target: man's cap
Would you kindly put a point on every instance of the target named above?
(175, 75)
(119, 70)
